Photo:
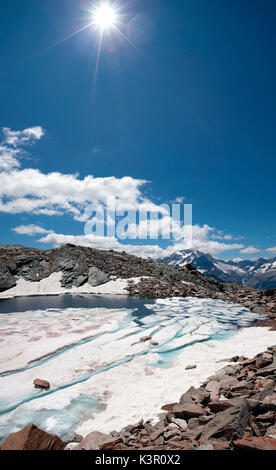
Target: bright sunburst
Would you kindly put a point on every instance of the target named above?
(105, 16)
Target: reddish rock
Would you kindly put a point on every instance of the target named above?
(32, 438)
(181, 445)
(220, 445)
(264, 360)
(228, 423)
(93, 441)
(156, 434)
(256, 443)
(41, 383)
(269, 416)
(213, 387)
(217, 406)
(145, 338)
(168, 407)
(250, 368)
(110, 444)
(187, 411)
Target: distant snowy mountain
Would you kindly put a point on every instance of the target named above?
(260, 273)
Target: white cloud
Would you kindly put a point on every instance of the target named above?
(8, 158)
(55, 194)
(105, 243)
(32, 191)
(10, 154)
(31, 230)
(200, 242)
(16, 138)
(271, 250)
(250, 250)
(179, 200)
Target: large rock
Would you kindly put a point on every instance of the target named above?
(97, 277)
(41, 383)
(256, 443)
(213, 388)
(187, 411)
(6, 282)
(32, 438)
(110, 443)
(228, 423)
(93, 441)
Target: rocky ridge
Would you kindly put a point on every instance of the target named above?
(260, 273)
(81, 265)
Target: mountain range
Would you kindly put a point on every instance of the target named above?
(260, 273)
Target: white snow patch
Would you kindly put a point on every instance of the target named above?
(51, 286)
(112, 364)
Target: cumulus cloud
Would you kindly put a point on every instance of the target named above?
(250, 250)
(16, 138)
(10, 147)
(30, 230)
(271, 250)
(104, 243)
(30, 191)
(200, 241)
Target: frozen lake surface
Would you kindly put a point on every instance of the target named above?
(102, 376)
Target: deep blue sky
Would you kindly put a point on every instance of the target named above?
(193, 111)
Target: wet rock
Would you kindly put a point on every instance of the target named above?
(41, 384)
(32, 438)
(192, 366)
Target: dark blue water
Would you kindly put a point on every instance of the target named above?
(23, 304)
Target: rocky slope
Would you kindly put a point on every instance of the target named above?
(260, 273)
(233, 410)
(80, 265)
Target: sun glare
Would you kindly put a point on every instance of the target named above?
(105, 17)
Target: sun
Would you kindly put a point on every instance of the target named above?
(105, 17)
